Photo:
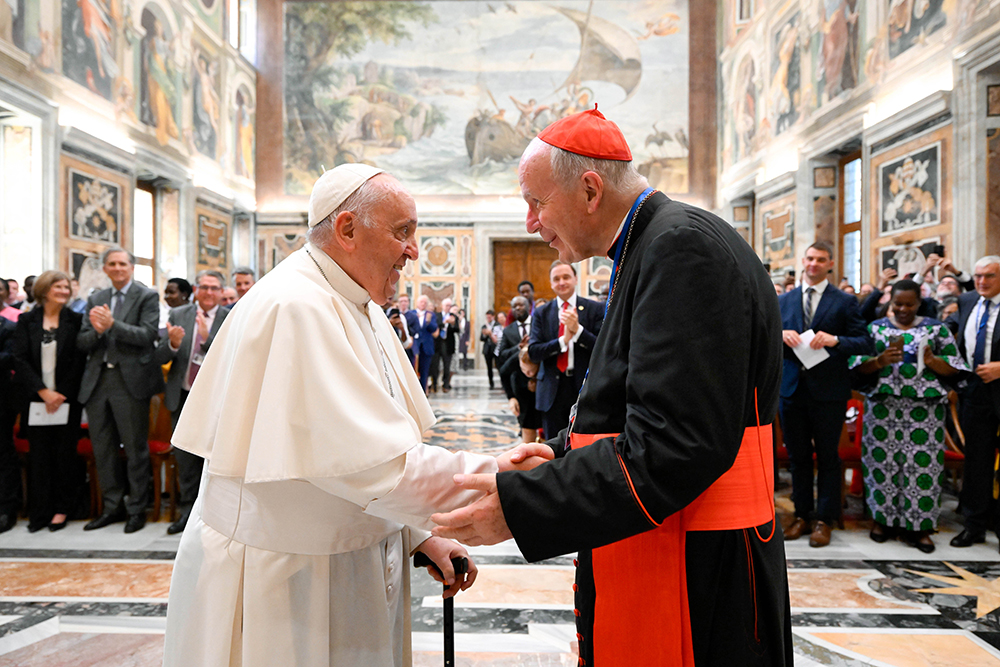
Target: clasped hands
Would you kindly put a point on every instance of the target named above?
(101, 318)
(571, 321)
(482, 522)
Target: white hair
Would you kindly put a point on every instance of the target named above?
(567, 168)
(986, 261)
(362, 202)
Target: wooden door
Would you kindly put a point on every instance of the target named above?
(514, 261)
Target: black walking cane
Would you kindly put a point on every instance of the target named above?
(461, 566)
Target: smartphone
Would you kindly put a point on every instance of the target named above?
(939, 250)
(896, 341)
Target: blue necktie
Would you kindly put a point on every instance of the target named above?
(980, 354)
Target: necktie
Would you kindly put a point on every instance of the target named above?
(807, 312)
(562, 361)
(979, 356)
(194, 367)
(116, 308)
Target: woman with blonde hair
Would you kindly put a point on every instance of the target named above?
(48, 368)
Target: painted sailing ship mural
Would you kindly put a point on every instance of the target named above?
(448, 94)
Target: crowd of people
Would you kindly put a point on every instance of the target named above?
(905, 343)
(84, 367)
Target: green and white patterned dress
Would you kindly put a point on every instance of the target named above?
(902, 444)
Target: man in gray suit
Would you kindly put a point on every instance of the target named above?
(120, 334)
(190, 331)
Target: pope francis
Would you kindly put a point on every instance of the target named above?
(317, 487)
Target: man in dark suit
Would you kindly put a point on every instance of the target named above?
(489, 341)
(120, 335)
(446, 345)
(425, 332)
(10, 467)
(562, 337)
(814, 401)
(978, 337)
(518, 331)
(190, 332)
(409, 318)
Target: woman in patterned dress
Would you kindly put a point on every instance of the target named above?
(902, 447)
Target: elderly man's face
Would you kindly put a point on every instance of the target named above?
(422, 301)
(229, 296)
(387, 245)
(987, 279)
(554, 214)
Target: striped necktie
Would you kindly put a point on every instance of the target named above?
(807, 312)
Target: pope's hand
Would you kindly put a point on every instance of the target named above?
(525, 456)
(482, 522)
(441, 551)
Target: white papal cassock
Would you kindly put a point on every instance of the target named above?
(316, 483)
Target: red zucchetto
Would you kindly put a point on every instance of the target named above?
(588, 133)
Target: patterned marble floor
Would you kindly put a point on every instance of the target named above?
(99, 599)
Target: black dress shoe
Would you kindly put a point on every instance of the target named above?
(104, 520)
(179, 525)
(35, 527)
(57, 526)
(7, 521)
(135, 522)
(967, 538)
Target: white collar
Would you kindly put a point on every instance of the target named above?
(336, 277)
(819, 287)
(995, 300)
(618, 235)
(571, 300)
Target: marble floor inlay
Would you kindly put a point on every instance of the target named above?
(98, 599)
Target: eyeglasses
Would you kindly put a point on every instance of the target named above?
(210, 288)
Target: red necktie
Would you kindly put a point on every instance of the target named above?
(562, 361)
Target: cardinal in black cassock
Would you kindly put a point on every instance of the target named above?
(663, 481)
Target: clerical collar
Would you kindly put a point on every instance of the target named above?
(337, 277)
(614, 244)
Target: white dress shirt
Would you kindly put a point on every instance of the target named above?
(563, 346)
(816, 297)
(972, 328)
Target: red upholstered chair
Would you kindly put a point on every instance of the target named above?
(161, 455)
(850, 449)
(21, 447)
(85, 450)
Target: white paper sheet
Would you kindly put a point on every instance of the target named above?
(808, 356)
(39, 416)
(920, 355)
